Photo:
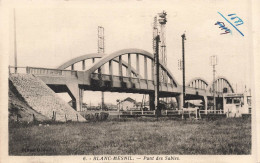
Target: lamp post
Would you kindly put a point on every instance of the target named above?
(213, 63)
(15, 48)
(183, 67)
(156, 81)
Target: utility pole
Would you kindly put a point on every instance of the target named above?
(162, 54)
(214, 62)
(183, 67)
(156, 81)
(15, 48)
(101, 49)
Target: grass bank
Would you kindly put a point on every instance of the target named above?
(141, 136)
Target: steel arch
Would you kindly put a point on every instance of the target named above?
(112, 56)
(91, 56)
(226, 82)
(203, 81)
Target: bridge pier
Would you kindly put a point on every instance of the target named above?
(180, 99)
(205, 101)
(76, 95)
(219, 103)
(151, 101)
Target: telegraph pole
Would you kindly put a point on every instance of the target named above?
(15, 48)
(162, 47)
(183, 67)
(213, 63)
(162, 54)
(157, 75)
(101, 49)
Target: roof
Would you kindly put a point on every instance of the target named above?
(129, 99)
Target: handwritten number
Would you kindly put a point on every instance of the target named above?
(238, 21)
(222, 26)
(231, 14)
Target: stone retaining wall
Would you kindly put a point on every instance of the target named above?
(42, 99)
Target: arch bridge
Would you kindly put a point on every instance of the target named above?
(127, 70)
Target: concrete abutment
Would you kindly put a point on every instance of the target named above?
(76, 93)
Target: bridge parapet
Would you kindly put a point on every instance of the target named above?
(43, 71)
(51, 72)
(133, 83)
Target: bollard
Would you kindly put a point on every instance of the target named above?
(27, 70)
(53, 116)
(77, 117)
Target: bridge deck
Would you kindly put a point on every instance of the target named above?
(104, 82)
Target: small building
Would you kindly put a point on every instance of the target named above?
(237, 104)
(128, 104)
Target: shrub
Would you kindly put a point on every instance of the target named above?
(97, 116)
(103, 116)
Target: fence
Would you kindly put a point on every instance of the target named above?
(211, 111)
(192, 112)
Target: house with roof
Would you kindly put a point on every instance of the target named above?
(128, 104)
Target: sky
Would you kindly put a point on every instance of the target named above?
(49, 35)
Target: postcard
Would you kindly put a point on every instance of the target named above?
(129, 81)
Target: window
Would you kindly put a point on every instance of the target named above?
(229, 100)
(237, 100)
(249, 101)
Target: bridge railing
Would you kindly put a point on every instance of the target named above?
(41, 71)
(49, 71)
(98, 76)
(20, 69)
(195, 88)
